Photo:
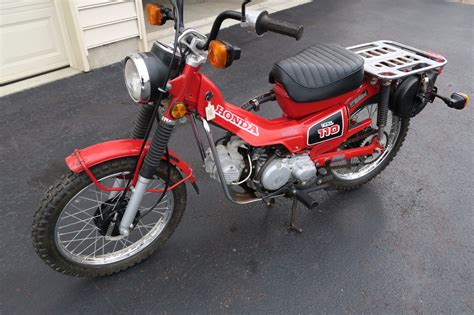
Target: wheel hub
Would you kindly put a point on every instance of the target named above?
(107, 217)
(383, 142)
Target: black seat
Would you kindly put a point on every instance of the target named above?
(319, 72)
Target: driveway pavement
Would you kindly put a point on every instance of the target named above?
(402, 243)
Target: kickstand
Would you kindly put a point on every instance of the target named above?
(294, 210)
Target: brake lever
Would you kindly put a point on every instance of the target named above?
(244, 19)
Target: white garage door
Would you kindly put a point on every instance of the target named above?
(30, 39)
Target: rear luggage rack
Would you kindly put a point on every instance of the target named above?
(389, 60)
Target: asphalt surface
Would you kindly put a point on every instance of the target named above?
(402, 243)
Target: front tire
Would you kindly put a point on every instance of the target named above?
(57, 208)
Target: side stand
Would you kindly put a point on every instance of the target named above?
(294, 209)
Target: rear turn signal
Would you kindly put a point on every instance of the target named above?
(155, 14)
(178, 111)
(221, 54)
(466, 97)
(458, 101)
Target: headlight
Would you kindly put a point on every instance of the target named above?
(137, 79)
(145, 73)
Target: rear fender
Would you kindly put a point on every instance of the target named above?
(111, 150)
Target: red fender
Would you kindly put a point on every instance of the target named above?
(116, 149)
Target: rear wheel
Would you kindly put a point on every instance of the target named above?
(75, 229)
(354, 173)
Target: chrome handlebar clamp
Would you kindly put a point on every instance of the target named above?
(198, 56)
(251, 17)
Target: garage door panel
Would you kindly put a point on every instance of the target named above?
(31, 42)
(110, 33)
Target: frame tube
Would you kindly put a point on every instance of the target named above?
(227, 193)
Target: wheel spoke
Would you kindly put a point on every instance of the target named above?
(115, 246)
(79, 220)
(95, 243)
(80, 211)
(66, 233)
(89, 199)
(81, 242)
(89, 246)
(101, 248)
(81, 239)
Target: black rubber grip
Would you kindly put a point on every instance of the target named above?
(265, 23)
(306, 199)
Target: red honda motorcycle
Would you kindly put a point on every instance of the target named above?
(346, 113)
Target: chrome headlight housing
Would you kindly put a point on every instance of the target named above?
(145, 73)
(137, 79)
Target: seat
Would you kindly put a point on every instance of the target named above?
(319, 72)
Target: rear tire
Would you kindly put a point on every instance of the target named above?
(66, 188)
(344, 183)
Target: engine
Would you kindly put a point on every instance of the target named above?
(259, 168)
(280, 171)
(232, 162)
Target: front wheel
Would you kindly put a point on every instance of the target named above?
(75, 229)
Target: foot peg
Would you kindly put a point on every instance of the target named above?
(306, 199)
(457, 101)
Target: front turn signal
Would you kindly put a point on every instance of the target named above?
(221, 54)
(155, 14)
(178, 110)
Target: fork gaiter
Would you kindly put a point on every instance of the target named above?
(157, 147)
(143, 120)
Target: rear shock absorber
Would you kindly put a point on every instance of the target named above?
(150, 163)
(382, 112)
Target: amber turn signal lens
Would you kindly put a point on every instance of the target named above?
(467, 99)
(178, 110)
(218, 54)
(154, 15)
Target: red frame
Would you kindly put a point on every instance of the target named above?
(291, 129)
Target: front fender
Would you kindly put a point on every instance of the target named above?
(115, 149)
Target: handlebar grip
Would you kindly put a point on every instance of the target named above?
(265, 23)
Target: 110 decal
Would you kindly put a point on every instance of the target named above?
(329, 131)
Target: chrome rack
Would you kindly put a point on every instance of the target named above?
(388, 60)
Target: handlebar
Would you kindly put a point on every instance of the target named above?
(233, 15)
(258, 20)
(265, 23)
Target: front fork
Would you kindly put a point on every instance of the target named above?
(150, 163)
(145, 115)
